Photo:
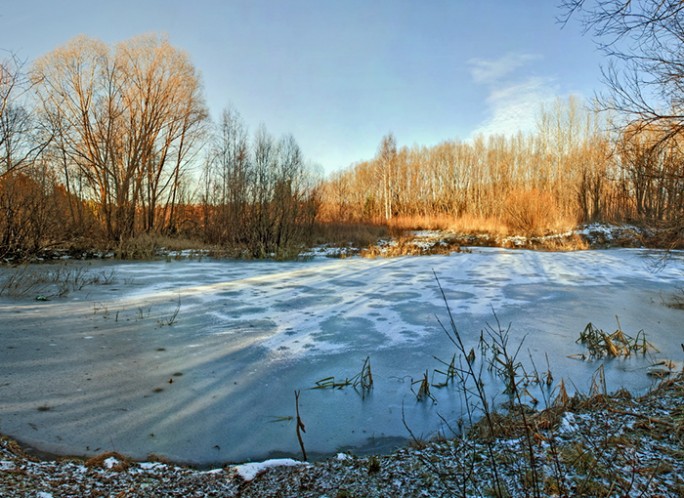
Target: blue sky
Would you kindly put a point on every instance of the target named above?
(339, 74)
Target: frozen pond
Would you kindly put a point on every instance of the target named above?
(104, 369)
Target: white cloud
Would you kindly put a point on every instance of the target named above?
(491, 71)
(513, 102)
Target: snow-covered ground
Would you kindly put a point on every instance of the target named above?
(112, 367)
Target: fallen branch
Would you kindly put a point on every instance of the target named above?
(642, 416)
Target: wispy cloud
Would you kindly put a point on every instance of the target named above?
(514, 97)
(492, 71)
(515, 107)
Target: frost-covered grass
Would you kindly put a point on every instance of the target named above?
(45, 282)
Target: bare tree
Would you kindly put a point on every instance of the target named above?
(165, 111)
(644, 43)
(259, 199)
(386, 161)
(293, 197)
(25, 186)
(226, 181)
(126, 118)
(20, 138)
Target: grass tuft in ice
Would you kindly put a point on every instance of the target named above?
(423, 393)
(331, 383)
(171, 319)
(600, 344)
(449, 374)
(362, 382)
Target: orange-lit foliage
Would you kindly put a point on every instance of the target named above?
(568, 172)
(25, 214)
(652, 166)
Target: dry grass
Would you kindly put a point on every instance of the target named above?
(98, 461)
(617, 344)
(596, 456)
(530, 217)
(148, 246)
(469, 224)
(448, 243)
(405, 223)
(465, 224)
(349, 234)
(669, 237)
(535, 213)
(49, 282)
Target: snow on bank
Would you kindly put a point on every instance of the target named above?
(248, 471)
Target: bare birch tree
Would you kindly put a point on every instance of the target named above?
(227, 179)
(386, 161)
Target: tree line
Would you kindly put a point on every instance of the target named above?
(261, 197)
(102, 145)
(573, 169)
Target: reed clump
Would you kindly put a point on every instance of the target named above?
(618, 344)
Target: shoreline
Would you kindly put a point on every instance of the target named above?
(636, 444)
(409, 242)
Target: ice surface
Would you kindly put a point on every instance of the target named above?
(103, 370)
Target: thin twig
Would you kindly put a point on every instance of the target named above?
(300, 427)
